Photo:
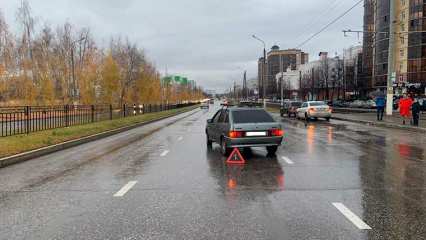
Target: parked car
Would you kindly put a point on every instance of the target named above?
(340, 103)
(237, 127)
(314, 109)
(370, 104)
(357, 104)
(289, 108)
(422, 102)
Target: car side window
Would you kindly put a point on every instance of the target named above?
(222, 117)
(226, 120)
(304, 105)
(216, 117)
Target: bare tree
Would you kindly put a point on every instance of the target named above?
(324, 75)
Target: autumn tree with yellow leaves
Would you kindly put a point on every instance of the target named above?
(65, 66)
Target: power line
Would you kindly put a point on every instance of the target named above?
(314, 20)
(329, 24)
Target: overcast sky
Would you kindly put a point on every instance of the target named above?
(207, 40)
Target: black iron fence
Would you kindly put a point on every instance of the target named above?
(26, 119)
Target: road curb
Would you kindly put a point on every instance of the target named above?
(382, 124)
(25, 156)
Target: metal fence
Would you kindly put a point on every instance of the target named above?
(26, 119)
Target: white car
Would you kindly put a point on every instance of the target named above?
(314, 109)
(204, 105)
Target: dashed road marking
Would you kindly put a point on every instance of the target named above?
(287, 160)
(180, 138)
(351, 216)
(164, 153)
(125, 189)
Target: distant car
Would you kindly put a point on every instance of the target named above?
(370, 104)
(422, 102)
(340, 103)
(238, 127)
(357, 104)
(314, 109)
(204, 105)
(289, 108)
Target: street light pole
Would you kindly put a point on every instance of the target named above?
(263, 69)
(391, 70)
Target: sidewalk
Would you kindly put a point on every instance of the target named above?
(394, 121)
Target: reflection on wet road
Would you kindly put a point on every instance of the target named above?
(328, 181)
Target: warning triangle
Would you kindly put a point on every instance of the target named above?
(235, 157)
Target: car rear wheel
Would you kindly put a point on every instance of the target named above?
(272, 150)
(328, 119)
(306, 117)
(224, 149)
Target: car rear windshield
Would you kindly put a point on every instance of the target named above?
(296, 104)
(251, 116)
(317, 103)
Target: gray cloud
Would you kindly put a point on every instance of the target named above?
(207, 40)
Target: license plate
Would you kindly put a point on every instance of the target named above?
(255, 134)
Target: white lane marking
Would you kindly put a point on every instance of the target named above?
(351, 216)
(180, 138)
(164, 153)
(287, 160)
(125, 189)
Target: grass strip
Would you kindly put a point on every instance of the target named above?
(21, 143)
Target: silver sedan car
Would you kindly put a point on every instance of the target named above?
(314, 109)
(240, 127)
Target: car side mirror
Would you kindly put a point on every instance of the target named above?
(209, 120)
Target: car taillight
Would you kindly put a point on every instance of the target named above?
(235, 134)
(330, 109)
(276, 132)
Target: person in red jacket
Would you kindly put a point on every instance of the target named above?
(405, 107)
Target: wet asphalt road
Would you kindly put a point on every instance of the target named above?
(161, 182)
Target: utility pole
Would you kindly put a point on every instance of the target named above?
(391, 70)
(281, 79)
(263, 69)
(312, 84)
(300, 85)
(245, 88)
(264, 76)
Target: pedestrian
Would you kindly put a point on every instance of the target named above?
(380, 106)
(415, 109)
(405, 107)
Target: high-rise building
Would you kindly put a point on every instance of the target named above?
(366, 76)
(409, 48)
(279, 61)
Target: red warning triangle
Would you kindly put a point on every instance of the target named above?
(235, 157)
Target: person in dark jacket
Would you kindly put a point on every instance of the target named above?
(380, 106)
(415, 110)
